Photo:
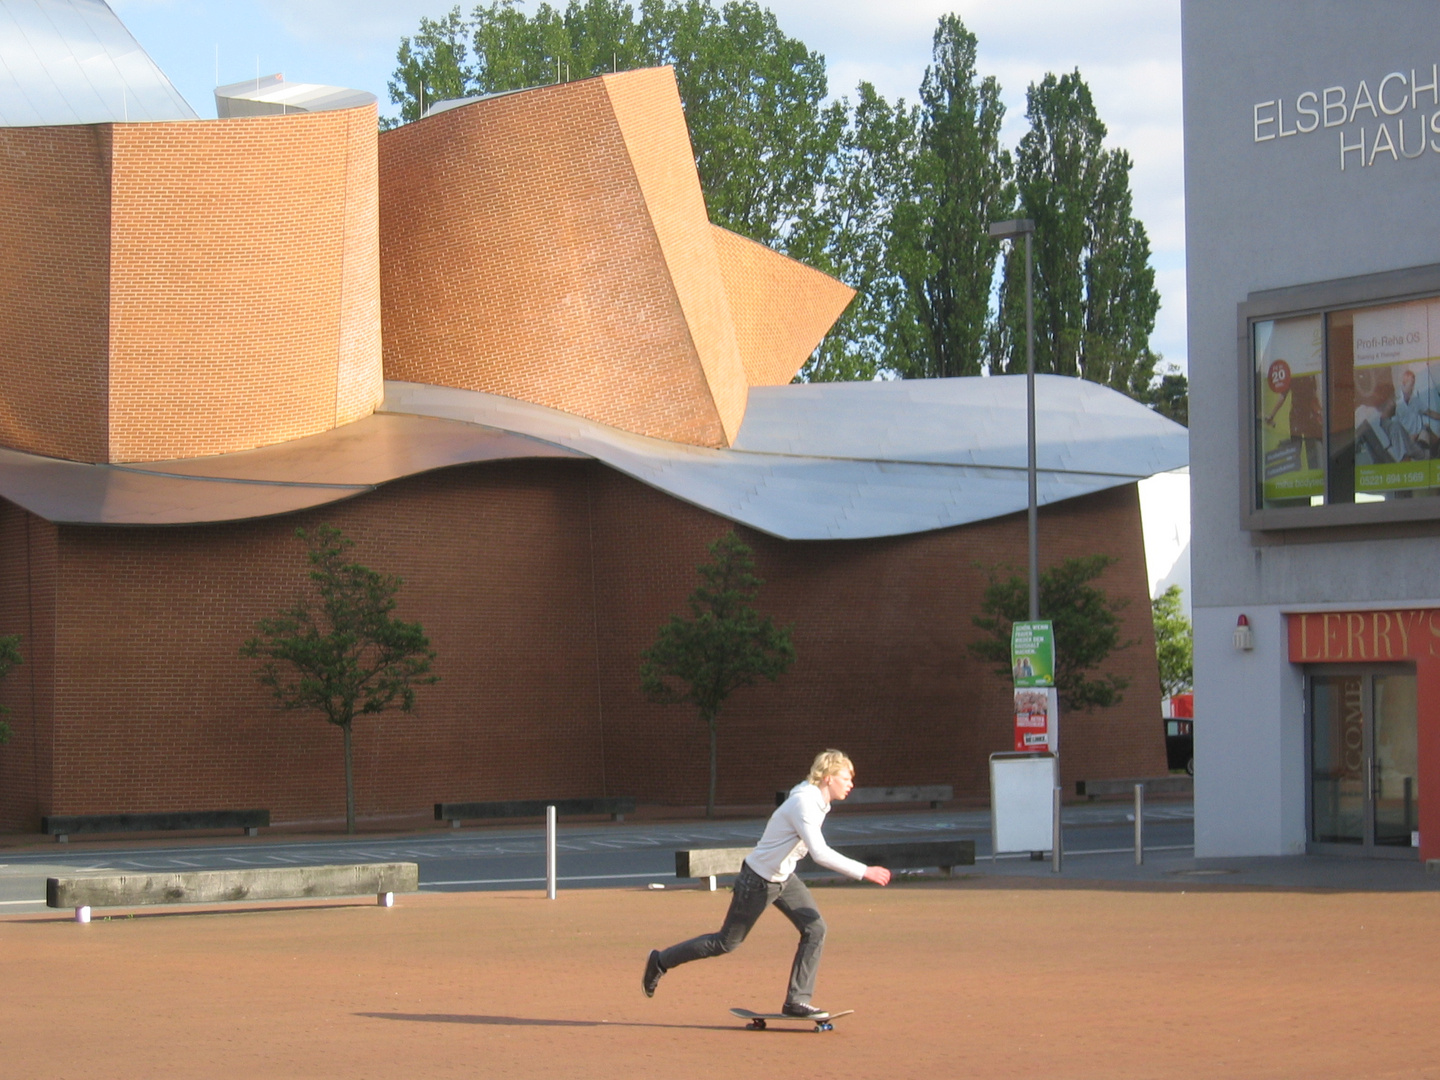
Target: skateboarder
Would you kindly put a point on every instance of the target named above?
(768, 877)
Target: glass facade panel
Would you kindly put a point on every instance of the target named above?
(1397, 790)
(1337, 759)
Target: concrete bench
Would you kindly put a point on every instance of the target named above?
(83, 892)
(901, 855)
(63, 826)
(1155, 785)
(934, 794)
(455, 813)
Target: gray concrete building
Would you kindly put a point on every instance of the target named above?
(1312, 184)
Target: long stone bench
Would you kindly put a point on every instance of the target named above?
(83, 892)
(455, 813)
(900, 855)
(1154, 785)
(63, 826)
(934, 794)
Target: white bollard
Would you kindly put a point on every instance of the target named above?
(385, 899)
(550, 853)
(1139, 824)
(1056, 844)
(712, 882)
(82, 913)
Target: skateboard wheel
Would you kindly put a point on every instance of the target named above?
(825, 1027)
(757, 1024)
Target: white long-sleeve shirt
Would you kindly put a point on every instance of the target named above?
(792, 832)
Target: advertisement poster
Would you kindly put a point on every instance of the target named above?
(1037, 710)
(1032, 653)
(1396, 426)
(1291, 407)
(1037, 715)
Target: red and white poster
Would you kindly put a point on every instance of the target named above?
(1037, 716)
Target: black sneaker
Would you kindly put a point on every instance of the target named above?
(803, 1010)
(653, 971)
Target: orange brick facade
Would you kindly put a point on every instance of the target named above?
(190, 288)
(539, 583)
(571, 263)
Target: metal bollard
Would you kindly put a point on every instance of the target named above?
(1056, 843)
(550, 853)
(1139, 824)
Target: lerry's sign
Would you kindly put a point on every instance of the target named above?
(1344, 637)
(1398, 119)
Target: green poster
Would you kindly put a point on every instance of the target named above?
(1032, 654)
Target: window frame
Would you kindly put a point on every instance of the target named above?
(1321, 298)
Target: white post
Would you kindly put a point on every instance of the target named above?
(385, 899)
(82, 913)
(1056, 846)
(550, 852)
(712, 882)
(1139, 824)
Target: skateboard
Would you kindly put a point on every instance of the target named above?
(822, 1022)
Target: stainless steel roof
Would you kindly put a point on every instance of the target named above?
(271, 95)
(295, 475)
(811, 462)
(73, 62)
(829, 461)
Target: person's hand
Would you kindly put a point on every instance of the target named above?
(878, 874)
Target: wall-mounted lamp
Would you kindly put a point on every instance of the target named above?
(1244, 636)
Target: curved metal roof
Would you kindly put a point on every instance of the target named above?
(73, 62)
(831, 461)
(812, 462)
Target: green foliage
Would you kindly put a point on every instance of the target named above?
(1095, 297)
(9, 658)
(723, 645)
(1169, 395)
(868, 183)
(1087, 627)
(962, 181)
(340, 652)
(1174, 642)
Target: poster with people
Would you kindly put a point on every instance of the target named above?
(1397, 428)
(1288, 363)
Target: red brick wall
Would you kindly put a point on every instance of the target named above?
(190, 288)
(244, 277)
(520, 258)
(539, 583)
(54, 303)
(27, 608)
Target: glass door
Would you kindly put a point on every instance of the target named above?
(1364, 796)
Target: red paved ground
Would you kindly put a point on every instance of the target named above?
(949, 980)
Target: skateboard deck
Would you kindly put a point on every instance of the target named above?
(822, 1022)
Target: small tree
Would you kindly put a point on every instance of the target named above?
(1174, 643)
(1087, 628)
(348, 657)
(724, 644)
(9, 658)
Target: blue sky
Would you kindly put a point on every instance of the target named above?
(1128, 51)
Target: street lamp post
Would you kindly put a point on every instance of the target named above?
(1010, 230)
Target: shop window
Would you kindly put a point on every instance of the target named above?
(1345, 402)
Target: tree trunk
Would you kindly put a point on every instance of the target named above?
(349, 783)
(710, 802)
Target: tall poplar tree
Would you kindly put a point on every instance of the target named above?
(962, 182)
(1095, 296)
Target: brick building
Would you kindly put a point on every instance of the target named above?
(506, 351)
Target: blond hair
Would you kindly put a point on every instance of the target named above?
(829, 763)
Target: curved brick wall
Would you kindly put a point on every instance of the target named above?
(218, 284)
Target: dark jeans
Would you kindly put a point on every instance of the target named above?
(751, 896)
